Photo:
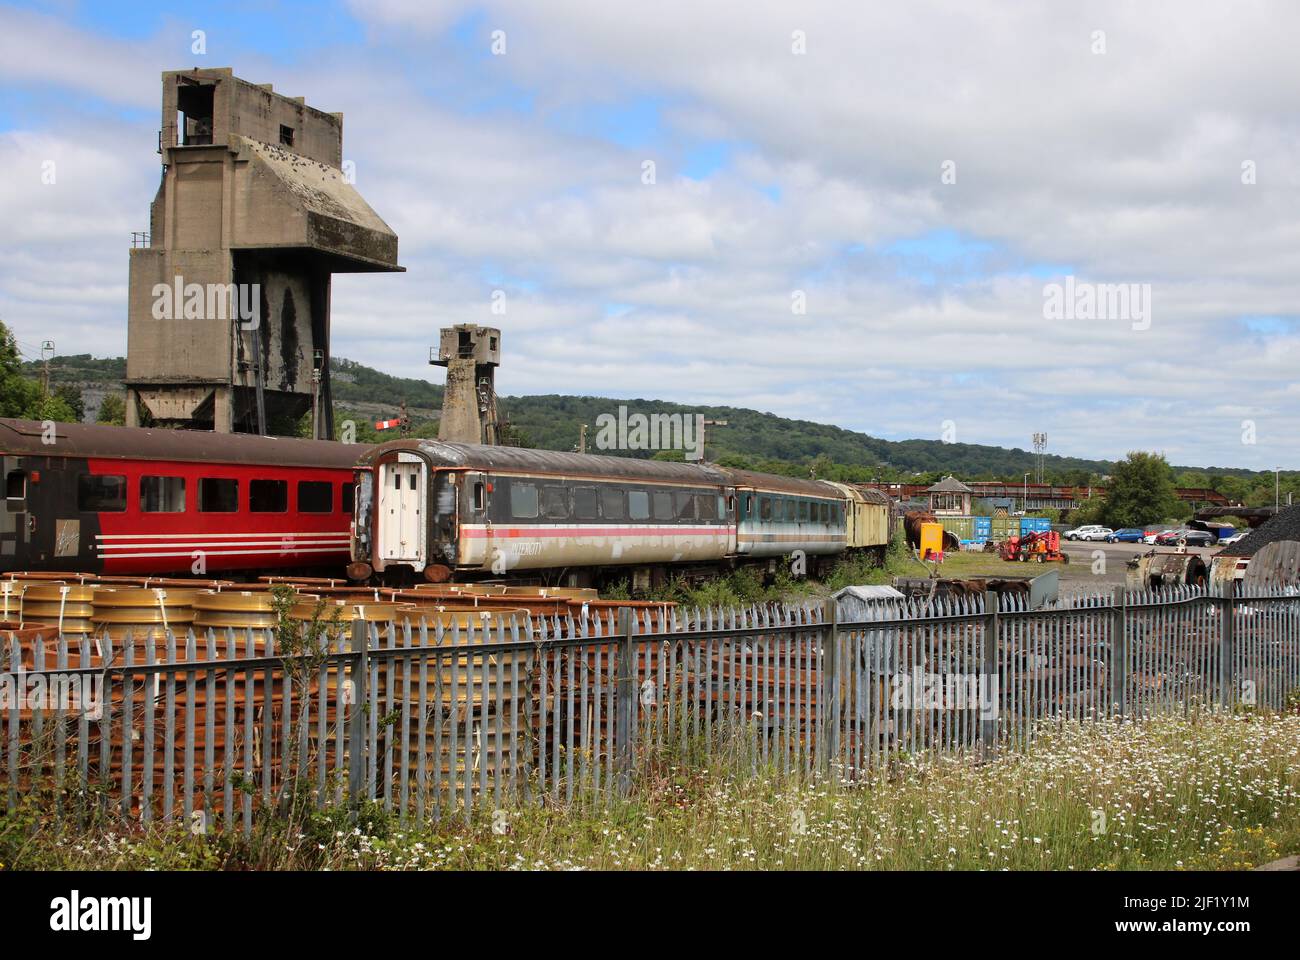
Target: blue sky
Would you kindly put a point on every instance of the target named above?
(780, 178)
(285, 31)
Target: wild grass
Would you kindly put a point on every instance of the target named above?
(1216, 792)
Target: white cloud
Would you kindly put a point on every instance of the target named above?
(1122, 167)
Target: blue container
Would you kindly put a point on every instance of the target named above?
(983, 529)
(1034, 525)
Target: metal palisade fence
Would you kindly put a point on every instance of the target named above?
(432, 720)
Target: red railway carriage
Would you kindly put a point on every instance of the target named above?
(120, 500)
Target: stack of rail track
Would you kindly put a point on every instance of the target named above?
(211, 742)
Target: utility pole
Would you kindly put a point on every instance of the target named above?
(318, 358)
(582, 438)
(1277, 486)
(1024, 499)
(47, 354)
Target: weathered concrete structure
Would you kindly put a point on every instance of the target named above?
(471, 355)
(229, 311)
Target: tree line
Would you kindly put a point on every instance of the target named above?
(751, 439)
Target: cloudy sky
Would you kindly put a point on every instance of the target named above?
(856, 216)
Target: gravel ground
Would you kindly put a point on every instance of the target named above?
(1079, 575)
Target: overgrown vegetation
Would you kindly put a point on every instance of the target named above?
(1211, 792)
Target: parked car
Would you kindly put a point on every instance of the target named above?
(1191, 538)
(1151, 536)
(1234, 538)
(1127, 535)
(1090, 532)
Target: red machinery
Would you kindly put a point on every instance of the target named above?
(1042, 546)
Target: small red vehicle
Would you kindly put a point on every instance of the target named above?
(1037, 546)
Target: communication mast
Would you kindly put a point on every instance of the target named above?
(1040, 450)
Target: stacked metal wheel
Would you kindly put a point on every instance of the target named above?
(476, 706)
(67, 608)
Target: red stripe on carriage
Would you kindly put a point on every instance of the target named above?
(594, 531)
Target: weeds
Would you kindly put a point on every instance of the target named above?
(1172, 793)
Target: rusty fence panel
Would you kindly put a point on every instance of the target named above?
(434, 721)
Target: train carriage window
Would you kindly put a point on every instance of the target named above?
(268, 496)
(706, 506)
(638, 505)
(315, 496)
(823, 512)
(480, 496)
(790, 508)
(349, 497)
(162, 494)
(663, 504)
(749, 504)
(16, 485)
(218, 495)
(803, 511)
(585, 503)
(101, 494)
(683, 505)
(555, 502)
(611, 504)
(523, 500)
(726, 506)
(765, 508)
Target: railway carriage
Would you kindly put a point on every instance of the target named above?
(448, 511)
(119, 500)
(779, 515)
(867, 518)
(122, 500)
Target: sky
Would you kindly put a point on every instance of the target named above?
(858, 215)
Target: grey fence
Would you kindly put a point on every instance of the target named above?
(433, 721)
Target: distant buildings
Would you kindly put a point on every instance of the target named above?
(950, 498)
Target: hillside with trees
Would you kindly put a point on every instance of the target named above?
(751, 439)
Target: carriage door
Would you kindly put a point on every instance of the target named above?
(401, 511)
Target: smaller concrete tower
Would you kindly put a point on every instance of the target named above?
(471, 355)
